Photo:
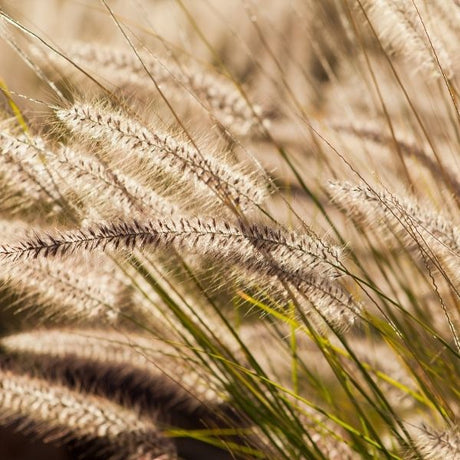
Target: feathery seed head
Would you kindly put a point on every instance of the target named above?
(307, 265)
(122, 67)
(435, 444)
(135, 353)
(404, 214)
(403, 27)
(161, 150)
(54, 410)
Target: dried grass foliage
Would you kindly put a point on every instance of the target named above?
(237, 227)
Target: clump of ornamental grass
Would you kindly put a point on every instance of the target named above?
(188, 273)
